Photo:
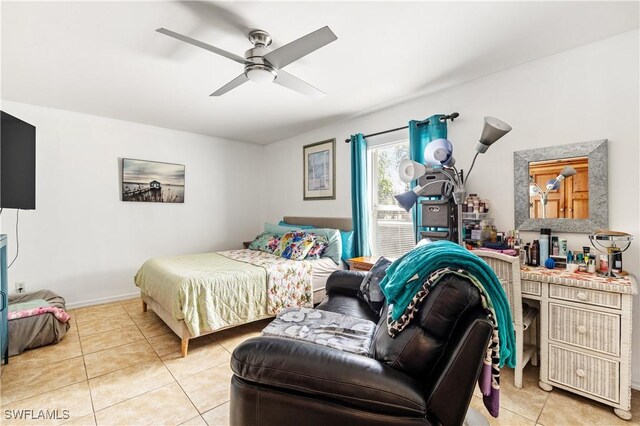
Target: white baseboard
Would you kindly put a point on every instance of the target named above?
(635, 384)
(102, 300)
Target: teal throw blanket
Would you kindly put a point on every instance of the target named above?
(406, 275)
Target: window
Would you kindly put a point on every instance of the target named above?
(391, 226)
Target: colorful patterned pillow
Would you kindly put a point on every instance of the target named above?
(318, 247)
(265, 242)
(295, 245)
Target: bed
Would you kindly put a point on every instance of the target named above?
(38, 330)
(205, 293)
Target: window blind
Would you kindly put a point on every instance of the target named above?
(391, 230)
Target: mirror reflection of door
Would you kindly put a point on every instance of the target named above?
(571, 199)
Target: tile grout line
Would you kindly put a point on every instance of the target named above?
(105, 331)
(133, 397)
(42, 393)
(217, 406)
(93, 406)
(543, 405)
(192, 418)
(95, 415)
(123, 368)
(506, 409)
(193, 404)
(50, 390)
(175, 379)
(145, 338)
(88, 380)
(114, 347)
(119, 369)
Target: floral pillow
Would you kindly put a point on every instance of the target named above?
(295, 245)
(316, 250)
(266, 242)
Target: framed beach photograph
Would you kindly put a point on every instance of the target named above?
(320, 170)
(152, 181)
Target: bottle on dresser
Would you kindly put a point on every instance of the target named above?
(547, 232)
(544, 249)
(534, 254)
(525, 254)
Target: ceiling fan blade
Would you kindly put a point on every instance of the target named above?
(202, 45)
(283, 56)
(231, 85)
(294, 83)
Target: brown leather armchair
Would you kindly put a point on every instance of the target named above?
(426, 375)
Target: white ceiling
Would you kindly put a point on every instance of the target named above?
(105, 58)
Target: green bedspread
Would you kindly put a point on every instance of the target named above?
(208, 291)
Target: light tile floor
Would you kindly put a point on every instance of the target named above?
(121, 366)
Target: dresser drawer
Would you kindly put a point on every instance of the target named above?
(591, 374)
(585, 328)
(533, 288)
(583, 295)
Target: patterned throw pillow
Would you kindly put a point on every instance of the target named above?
(265, 242)
(316, 251)
(370, 290)
(295, 245)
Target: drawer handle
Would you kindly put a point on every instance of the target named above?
(582, 296)
(582, 329)
(580, 372)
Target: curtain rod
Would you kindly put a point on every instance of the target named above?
(451, 117)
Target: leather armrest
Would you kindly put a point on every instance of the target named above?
(328, 374)
(345, 282)
(460, 369)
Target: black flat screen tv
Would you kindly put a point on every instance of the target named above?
(17, 163)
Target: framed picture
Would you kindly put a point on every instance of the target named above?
(320, 170)
(151, 181)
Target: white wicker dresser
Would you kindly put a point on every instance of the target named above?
(585, 333)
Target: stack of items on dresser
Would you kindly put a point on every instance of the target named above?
(480, 232)
(552, 252)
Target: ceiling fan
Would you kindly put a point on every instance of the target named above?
(264, 65)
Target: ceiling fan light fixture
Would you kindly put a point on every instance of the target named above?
(260, 73)
(261, 64)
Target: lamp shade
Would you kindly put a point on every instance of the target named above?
(439, 153)
(409, 170)
(568, 171)
(408, 199)
(493, 130)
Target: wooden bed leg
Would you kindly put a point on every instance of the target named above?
(144, 306)
(184, 347)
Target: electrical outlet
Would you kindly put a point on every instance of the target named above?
(21, 286)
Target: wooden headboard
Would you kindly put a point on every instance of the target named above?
(341, 223)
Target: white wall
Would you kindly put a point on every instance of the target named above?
(586, 93)
(86, 244)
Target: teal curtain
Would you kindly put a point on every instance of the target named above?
(359, 202)
(419, 137)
